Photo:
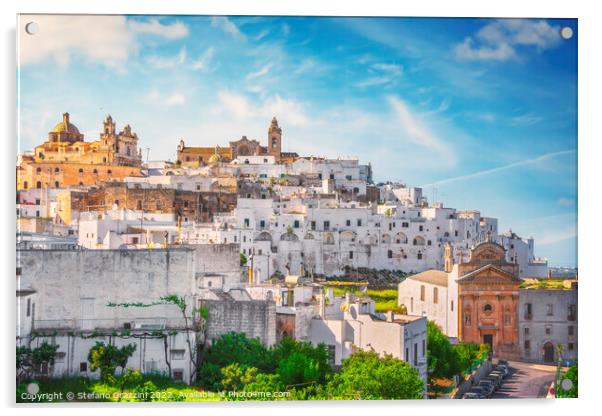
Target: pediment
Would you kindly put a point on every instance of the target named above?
(489, 274)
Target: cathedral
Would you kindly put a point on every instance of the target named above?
(66, 159)
(200, 156)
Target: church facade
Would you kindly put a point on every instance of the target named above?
(196, 157)
(66, 159)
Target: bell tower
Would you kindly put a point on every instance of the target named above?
(448, 253)
(275, 139)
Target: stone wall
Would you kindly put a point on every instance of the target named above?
(255, 318)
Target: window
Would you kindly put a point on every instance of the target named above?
(528, 311)
(25, 185)
(326, 225)
(177, 354)
(390, 254)
(526, 331)
(467, 317)
(527, 344)
(423, 347)
(359, 223)
(39, 185)
(571, 346)
(422, 293)
(571, 330)
(548, 330)
(419, 255)
(262, 224)
(178, 374)
(415, 354)
(313, 225)
(572, 312)
(435, 295)
(412, 304)
(405, 224)
(351, 255)
(296, 224)
(28, 307)
(247, 222)
(420, 228)
(139, 205)
(407, 354)
(348, 223)
(452, 305)
(83, 367)
(135, 240)
(487, 308)
(56, 184)
(549, 309)
(158, 204)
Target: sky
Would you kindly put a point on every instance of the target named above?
(482, 113)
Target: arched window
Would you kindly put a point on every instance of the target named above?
(39, 170)
(39, 185)
(487, 308)
(25, 185)
(56, 184)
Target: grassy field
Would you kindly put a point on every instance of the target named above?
(385, 299)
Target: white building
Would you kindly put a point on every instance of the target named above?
(402, 336)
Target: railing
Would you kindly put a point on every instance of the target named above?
(140, 324)
(528, 316)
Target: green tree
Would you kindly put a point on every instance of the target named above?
(573, 392)
(442, 360)
(264, 383)
(365, 375)
(128, 378)
(298, 369)
(235, 377)
(30, 361)
(107, 357)
(234, 348)
(316, 357)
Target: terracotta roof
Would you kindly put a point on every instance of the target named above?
(435, 277)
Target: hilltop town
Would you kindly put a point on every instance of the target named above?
(264, 242)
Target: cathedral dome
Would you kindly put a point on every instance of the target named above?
(65, 126)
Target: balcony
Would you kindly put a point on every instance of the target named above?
(528, 316)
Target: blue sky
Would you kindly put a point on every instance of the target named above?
(481, 112)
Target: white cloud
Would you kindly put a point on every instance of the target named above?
(415, 130)
(239, 106)
(176, 98)
(108, 40)
(227, 26)
(498, 39)
(499, 52)
(204, 60)
(525, 120)
(557, 236)
(259, 73)
(104, 39)
(513, 165)
(175, 30)
(383, 73)
(567, 202)
(163, 62)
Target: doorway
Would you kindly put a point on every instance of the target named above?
(548, 352)
(488, 339)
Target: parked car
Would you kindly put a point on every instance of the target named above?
(480, 391)
(471, 395)
(503, 362)
(495, 378)
(502, 368)
(488, 384)
(497, 372)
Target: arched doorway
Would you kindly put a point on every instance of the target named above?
(548, 352)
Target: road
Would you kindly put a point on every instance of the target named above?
(526, 380)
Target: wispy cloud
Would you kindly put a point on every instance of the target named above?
(553, 237)
(514, 165)
(566, 202)
(203, 61)
(415, 130)
(174, 30)
(381, 73)
(164, 62)
(229, 27)
(259, 73)
(525, 120)
(498, 40)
